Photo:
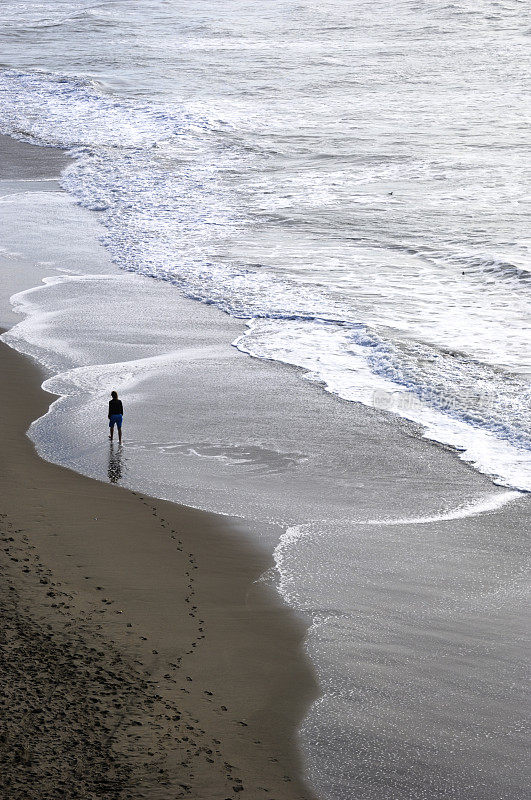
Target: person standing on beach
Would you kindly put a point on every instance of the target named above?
(116, 411)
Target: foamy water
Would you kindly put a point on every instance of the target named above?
(351, 180)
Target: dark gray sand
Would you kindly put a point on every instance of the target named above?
(138, 657)
(69, 696)
(19, 163)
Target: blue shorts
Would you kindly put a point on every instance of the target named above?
(115, 419)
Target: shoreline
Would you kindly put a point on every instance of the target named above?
(388, 551)
(157, 585)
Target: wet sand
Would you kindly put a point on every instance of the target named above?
(139, 655)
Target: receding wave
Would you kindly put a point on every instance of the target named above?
(473, 509)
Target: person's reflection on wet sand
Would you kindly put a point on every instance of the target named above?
(115, 468)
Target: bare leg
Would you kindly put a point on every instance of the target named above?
(111, 432)
(120, 435)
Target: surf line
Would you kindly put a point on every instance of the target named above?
(295, 533)
(491, 503)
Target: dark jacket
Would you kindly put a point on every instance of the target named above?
(115, 407)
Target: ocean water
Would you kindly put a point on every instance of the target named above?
(351, 178)
(348, 181)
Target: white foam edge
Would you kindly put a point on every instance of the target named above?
(125, 376)
(293, 534)
(502, 462)
(473, 508)
(27, 336)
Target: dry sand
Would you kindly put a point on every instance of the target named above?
(139, 656)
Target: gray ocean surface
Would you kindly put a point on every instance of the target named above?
(352, 178)
(350, 182)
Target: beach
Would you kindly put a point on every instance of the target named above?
(152, 645)
(140, 656)
(291, 239)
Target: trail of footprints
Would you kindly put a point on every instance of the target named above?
(185, 729)
(211, 753)
(67, 683)
(194, 750)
